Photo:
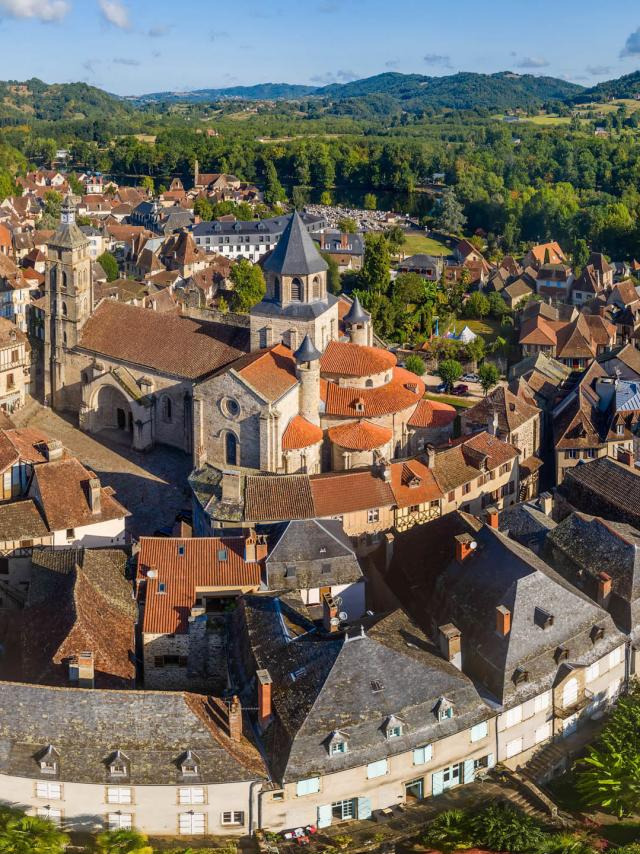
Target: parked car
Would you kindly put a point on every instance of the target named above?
(461, 389)
(471, 378)
(442, 388)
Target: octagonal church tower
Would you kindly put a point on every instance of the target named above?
(296, 303)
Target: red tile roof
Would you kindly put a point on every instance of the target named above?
(270, 372)
(404, 390)
(353, 360)
(432, 413)
(300, 433)
(348, 492)
(360, 435)
(205, 562)
(413, 482)
(275, 497)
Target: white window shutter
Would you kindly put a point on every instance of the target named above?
(437, 783)
(364, 808)
(469, 773)
(324, 815)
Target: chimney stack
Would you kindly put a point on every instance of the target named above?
(503, 621)
(450, 639)
(54, 450)
(431, 456)
(235, 719)
(389, 541)
(264, 698)
(493, 518)
(330, 614)
(605, 584)
(250, 547)
(344, 241)
(493, 424)
(94, 495)
(231, 488)
(545, 500)
(465, 546)
(626, 457)
(82, 670)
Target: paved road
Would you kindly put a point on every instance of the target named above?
(153, 486)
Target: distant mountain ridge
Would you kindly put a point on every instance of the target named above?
(57, 101)
(259, 92)
(627, 86)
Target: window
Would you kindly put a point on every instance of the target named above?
(479, 731)
(377, 769)
(233, 817)
(51, 791)
(11, 383)
(71, 533)
(296, 290)
(514, 747)
(593, 671)
(338, 747)
(166, 408)
(571, 455)
(191, 795)
(54, 816)
(120, 821)
(343, 810)
(308, 787)
(118, 768)
(394, 731)
(615, 657)
(504, 469)
(542, 702)
(466, 489)
(191, 824)
(373, 515)
(620, 429)
(513, 717)
(15, 355)
(422, 755)
(189, 765)
(451, 496)
(231, 449)
(570, 693)
(543, 732)
(118, 795)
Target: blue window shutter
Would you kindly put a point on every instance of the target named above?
(469, 774)
(324, 815)
(364, 808)
(491, 760)
(437, 783)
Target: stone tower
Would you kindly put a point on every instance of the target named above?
(308, 373)
(68, 304)
(296, 302)
(357, 322)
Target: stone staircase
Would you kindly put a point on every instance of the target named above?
(542, 765)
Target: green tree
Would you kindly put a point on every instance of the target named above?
(203, 208)
(376, 266)
(273, 190)
(109, 264)
(326, 198)
(497, 306)
(299, 197)
(370, 202)
(76, 185)
(51, 214)
(503, 828)
(477, 305)
(347, 225)
(475, 350)
(25, 834)
(248, 286)
(580, 254)
(147, 183)
(448, 832)
(123, 842)
(489, 376)
(415, 364)
(451, 218)
(334, 283)
(396, 238)
(449, 371)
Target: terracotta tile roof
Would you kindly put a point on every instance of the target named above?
(413, 482)
(626, 291)
(575, 340)
(352, 360)
(602, 331)
(8, 454)
(10, 335)
(556, 255)
(181, 566)
(162, 341)
(272, 498)
(270, 372)
(29, 443)
(462, 463)
(300, 433)
(537, 330)
(512, 411)
(62, 491)
(348, 492)
(432, 413)
(404, 391)
(360, 435)
(20, 520)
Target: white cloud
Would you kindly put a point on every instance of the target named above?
(115, 13)
(533, 62)
(44, 10)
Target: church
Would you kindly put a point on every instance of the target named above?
(298, 388)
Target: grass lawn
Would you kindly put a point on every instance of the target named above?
(452, 400)
(415, 244)
(488, 328)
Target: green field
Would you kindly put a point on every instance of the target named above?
(452, 400)
(416, 244)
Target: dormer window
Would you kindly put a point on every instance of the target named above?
(49, 760)
(520, 675)
(443, 709)
(561, 654)
(543, 618)
(190, 766)
(338, 744)
(119, 765)
(359, 405)
(597, 633)
(393, 728)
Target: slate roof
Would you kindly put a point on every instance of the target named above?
(295, 253)
(162, 341)
(604, 487)
(527, 524)
(310, 553)
(153, 729)
(351, 683)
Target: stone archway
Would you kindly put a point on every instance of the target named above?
(112, 411)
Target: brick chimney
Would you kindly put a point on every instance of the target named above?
(264, 698)
(503, 621)
(450, 641)
(235, 720)
(330, 614)
(465, 546)
(82, 670)
(625, 457)
(389, 541)
(605, 585)
(54, 450)
(431, 456)
(94, 496)
(344, 241)
(493, 518)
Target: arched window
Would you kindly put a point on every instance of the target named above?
(54, 276)
(64, 309)
(231, 450)
(166, 408)
(369, 384)
(296, 290)
(277, 293)
(316, 288)
(64, 337)
(64, 279)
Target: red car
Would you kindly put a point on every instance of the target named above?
(461, 389)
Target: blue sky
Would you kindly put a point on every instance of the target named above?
(137, 46)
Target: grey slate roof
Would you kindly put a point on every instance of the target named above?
(502, 572)
(604, 487)
(271, 226)
(334, 687)
(86, 727)
(296, 253)
(356, 313)
(310, 553)
(527, 524)
(306, 352)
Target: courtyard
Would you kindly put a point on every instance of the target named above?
(152, 486)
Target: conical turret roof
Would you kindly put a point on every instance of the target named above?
(306, 352)
(356, 313)
(295, 254)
